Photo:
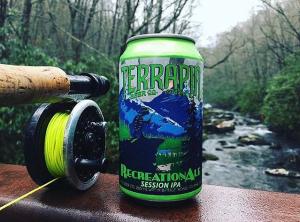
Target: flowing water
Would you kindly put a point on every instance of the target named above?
(244, 165)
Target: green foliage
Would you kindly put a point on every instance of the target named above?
(112, 146)
(219, 90)
(251, 98)
(282, 102)
(12, 123)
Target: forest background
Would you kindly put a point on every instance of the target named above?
(253, 68)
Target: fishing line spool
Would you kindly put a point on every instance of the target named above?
(67, 139)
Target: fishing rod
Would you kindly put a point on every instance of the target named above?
(65, 136)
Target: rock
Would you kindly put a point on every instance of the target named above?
(220, 127)
(282, 172)
(204, 137)
(229, 147)
(225, 126)
(206, 174)
(209, 156)
(219, 149)
(209, 127)
(241, 144)
(251, 121)
(207, 106)
(275, 146)
(253, 139)
(225, 116)
(223, 142)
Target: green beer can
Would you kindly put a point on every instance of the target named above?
(160, 113)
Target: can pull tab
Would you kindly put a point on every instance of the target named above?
(98, 165)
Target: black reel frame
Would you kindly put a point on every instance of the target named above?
(84, 140)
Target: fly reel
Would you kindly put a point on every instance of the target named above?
(67, 139)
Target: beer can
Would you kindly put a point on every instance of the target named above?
(160, 118)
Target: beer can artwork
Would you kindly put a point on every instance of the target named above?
(160, 112)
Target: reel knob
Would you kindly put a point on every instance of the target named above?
(99, 165)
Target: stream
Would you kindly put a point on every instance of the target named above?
(243, 165)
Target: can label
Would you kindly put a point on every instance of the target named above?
(160, 106)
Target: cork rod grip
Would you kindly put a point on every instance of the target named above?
(28, 84)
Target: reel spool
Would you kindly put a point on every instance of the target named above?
(82, 143)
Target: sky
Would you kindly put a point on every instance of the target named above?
(216, 16)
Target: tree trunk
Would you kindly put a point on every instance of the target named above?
(26, 21)
(158, 18)
(112, 32)
(79, 24)
(3, 14)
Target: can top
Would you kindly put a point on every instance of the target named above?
(144, 36)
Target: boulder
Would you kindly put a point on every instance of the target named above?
(207, 106)
(250, 121)
(219, 126)
(225, 116)
(223, 142)
(209, 156)
(282, 172)
(230, 146)
(225, 126)
(253, 139)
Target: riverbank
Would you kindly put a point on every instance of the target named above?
(242, 152)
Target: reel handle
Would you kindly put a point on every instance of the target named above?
(38, 84)
(99, 165)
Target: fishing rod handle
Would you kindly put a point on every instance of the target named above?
(29, 84)
(37, 84)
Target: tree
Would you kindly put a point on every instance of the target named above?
(112, 32)
(27, 5)
(3, 15)
(81, 16)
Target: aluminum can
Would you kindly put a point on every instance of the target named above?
(160, 118)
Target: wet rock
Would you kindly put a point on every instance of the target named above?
(223, 142)
(231, 146)
(253, 139)
(225, 126)
(209, 156)
(207, 106)
(206, 174)
(282, 172)
(209, 127)
(251, 121)
(225, 116)
(220, 126)
(219, 149)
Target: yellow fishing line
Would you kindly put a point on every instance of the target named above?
(53, 152)
(54, 140)
(27, 194)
